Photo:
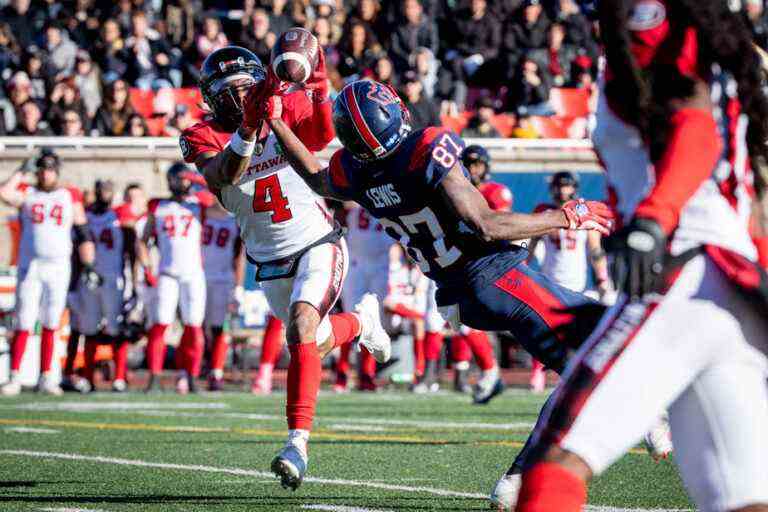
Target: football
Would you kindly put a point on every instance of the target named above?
(294, 55)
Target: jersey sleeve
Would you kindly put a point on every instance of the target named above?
(311, 122)
(337, 176)
(197, 140)
(76, 194)
(437, 153)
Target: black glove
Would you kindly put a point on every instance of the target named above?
(90, 278)
(638, 250)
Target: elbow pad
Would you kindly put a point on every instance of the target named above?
(83, 234)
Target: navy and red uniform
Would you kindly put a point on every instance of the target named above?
(489, 281)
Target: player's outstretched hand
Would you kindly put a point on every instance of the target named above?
(262, 102)
(317, 83)
(583, 214)
(638, 250)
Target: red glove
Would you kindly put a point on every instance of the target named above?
(583, 214)
(150, 278)
(262, 102)
(317, 83)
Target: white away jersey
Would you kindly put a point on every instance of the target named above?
(46, 224)
(565, 256)
(366, 238)
(108, 239)
(219, 237)
(178, 231)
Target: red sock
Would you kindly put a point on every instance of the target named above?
(405, 311)
(549, 487)
(120, 356)
(481, 348)
(460, 349)
(90, 357)
(342, 365)
(18, 347)
(367, 364)
(272, 344)
(433, 345)
(46, 349)
(193, 340)
(419, 356)
(304, 374)
(345, 326)
(156, 348)
(219, 351)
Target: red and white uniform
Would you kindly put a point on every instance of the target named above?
(369, 257)
(498, 196)
(409, 287)
(45, 249)
(219, 238)
(181, 282)
(104, 304)
(565, 255)
(704, 343)
(279, 215)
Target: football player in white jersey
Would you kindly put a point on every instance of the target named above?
(565, 256)
(101, 308)
(49, 214)
(300, 256)
(176, 225)
(224, 265)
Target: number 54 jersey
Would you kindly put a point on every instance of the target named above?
(278, 214)
(402, 191)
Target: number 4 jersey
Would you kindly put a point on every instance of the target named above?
(402, 191)
(278, 214)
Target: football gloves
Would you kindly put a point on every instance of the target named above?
(90, 278)
(638, 251)
(592, 215)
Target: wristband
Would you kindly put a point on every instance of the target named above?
(241, 147)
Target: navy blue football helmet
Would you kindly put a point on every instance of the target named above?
(474, 154)
(370, 119)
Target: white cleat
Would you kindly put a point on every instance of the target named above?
(11, 388)
(47, 386)
(119, 386)
(373, 336)
(290, 465)
(658, 441)
(182, 384)
(503, 497)
(488, 386)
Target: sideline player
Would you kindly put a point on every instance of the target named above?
(565, 255)
(224, 265)
(300, 256)
(176, 225)
(49, 214)
(100, 308)
(690, 306)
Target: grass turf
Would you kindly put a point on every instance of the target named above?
(392, 438)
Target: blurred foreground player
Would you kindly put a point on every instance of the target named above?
(49, 214)
(300, 256)
(683, 105)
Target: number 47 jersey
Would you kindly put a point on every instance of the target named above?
(402, 191)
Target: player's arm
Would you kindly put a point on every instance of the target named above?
(532, 248)
(306, 165)
(599, 261)
(86, 248)
(10, 192)
(129, 250)
(142, 249)
(470, 205)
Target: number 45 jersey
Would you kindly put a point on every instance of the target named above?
(402, 191)
(278, 214)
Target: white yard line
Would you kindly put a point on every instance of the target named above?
(264, 474)
(71, 509)
(117, 406)
(341, 508)
(30, 430)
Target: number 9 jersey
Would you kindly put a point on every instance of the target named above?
(402, 191)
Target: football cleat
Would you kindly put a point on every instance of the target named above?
(538, 380)
(290, 465)
(119, 386)
(76, 384)
(11, 388)
(182, 384)
(372, 334)
(658, 441)
(215, 384)
(489, 385)
(153, 386)
(48, 386)
(461, 381)
(503, 497)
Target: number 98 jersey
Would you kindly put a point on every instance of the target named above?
(402, 191)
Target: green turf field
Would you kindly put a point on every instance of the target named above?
(389, 451)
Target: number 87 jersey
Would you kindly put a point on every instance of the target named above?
(402, 191)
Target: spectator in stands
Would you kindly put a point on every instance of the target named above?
(70, 124)
(108, 51)
(151, 65)
(480, 124)
(327, 36)
(279, 18)
(179, 16)
(423, 110)
(210, 38)
(424, 63)
(322, 8)
(64, 96)
(61, 51)
(16, 15)
(137, 126)
(40, 73)
(383, 71)
(558, 56)
(9, 52)
(30, 122)
(578, 29)
(88, 82)
(529, 93)
(112, 117)
(82, 23)
(257, 36)
(528, 30)
(476, 37)
(369, 13)
(181, 120)
(358, 48)
(417, 31)
(19, 92)
(758, 21)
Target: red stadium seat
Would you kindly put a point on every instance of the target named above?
(192, 98)
(141, 101)
(549, 127)
(155, 126)
(569, 102)
(458, 123)
(504, 124)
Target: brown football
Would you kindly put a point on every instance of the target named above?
(294, 55)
